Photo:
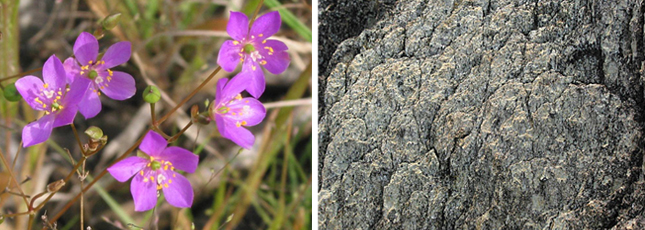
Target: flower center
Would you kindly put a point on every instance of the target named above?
(154, 165)
(50, 97)
(248, 48)
(92, 74)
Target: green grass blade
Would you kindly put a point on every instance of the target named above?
(290, 19)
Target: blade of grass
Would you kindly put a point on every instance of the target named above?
(290, 19)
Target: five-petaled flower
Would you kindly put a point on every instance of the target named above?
(114, 84)
(254, 49)
(231, 112)
(157, 172)
(57, 96)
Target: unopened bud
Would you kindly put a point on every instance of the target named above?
(94, 132)
(55, 186)
(111, 21)
(11, 93)
(151, 94)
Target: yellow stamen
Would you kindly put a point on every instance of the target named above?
(236, 42)
(260, 35)
(158, 187)
(90, 62)
(269, 48)
(263, 62)
(110, 73)
(253, 68)
(45, 85)
(152, 178)
(169, 181)
(165, 185)
(141, 172)
(264, 42)
(244, 123)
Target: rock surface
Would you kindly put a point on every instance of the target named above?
(481, 115)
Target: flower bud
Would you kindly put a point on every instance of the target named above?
(11, 93)
(111, 21)
(94, 132)
(55, 186)
(151, 94)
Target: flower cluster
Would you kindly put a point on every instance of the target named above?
(252, 47)
(77, 84)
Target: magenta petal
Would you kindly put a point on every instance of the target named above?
(117, 54)
(38, 131)
(219, 96)
(278, 61)
(126, 168)
(65, 116)
(238, 26)
(90, 106)
(248, 109)
(267, 25)
(240, 135)
(219, 121)
(236, 85)
(228, 56)
(76, 91)
(180, 158)
(54, 73)
(177, 190)
(71, 68)
(153, 144)
(29, 88)
(144, 193)
(120, 87)
(256, 83)
(86, 48)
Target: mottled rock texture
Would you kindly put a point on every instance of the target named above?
(481, 114)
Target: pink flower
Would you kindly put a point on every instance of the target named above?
(157, 173)
(114, 84)
(232, 113)
(254, 49)
(57, 96)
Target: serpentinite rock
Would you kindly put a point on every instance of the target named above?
(481, 114)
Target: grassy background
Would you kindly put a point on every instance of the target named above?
(175, 46)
